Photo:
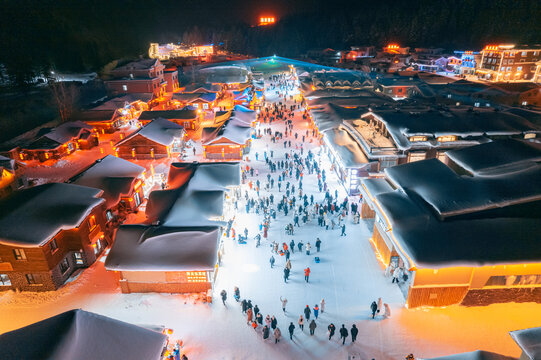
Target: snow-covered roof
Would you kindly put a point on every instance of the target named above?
(529, 341)
(449, 194)
(461, 122)
(159, 130)
(204, 175)
(163, 248)
(120, 101)
(503, 154)
(61, 135)
(31, 217)
(185, 114)
(143, 64)
(202, 88)
(348, 101)
(475, 355)
(191, 97)
(343, 144)
(230, 132)
(440, 219)
(113, 175)
(78, 334)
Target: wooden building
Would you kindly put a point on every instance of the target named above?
(61, 141)
(47, 232)
(143, 76)
(12, 176)
(158, 139)
(467, 240)
(187, 118)
(509, 63)
(122, 183)
(165, 259)
(228, 141)
(200, 101)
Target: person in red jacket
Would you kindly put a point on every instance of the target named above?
(306, 274)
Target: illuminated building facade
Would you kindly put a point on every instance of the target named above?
(508, 63)
(461, 239)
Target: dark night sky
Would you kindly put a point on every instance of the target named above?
(87, 34)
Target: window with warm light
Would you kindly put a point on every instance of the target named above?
(447, 138)
(196, 276)
(417, 138)
(19, 254)
(92, 222)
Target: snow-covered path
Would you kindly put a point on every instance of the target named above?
(349, 278)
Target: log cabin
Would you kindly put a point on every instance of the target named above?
(61, 141)
(121, 181)
(158, 139)
(47, 232)
(465, 236)
(187, 118)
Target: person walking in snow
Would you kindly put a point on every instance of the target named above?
(265, 332)
(387, 311)
(259, 318)
(380, 306)
(274, 322)
(288, 264)
(236, 294)
(354, 331)
(286, 274)
(318, 244)
(268, 320)
(277, 335)
(292, 246)
(284, 303)
(343, 230)
(299, 246)
(322, 306)
(301, 323)
(244, 306)
(308, 248)
(307, 312)
(374, 308)
(271, 260)
(316, 311)
(291, 329)
(307, 274)
(312, 326)
(343, 334)
(223, 294)
(331, 329)
(249, 316)
(256, 310)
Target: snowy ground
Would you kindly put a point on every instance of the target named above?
(349, 278)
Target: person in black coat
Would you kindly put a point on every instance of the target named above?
(244, 305)
(249, 304)
(265, 332)
(343, 333)
(274, 322)
(256, 310)
(291, 328)
(292, 245)
(374, 308)
(331, 329)
(286, 274)
(307, 312)
(354, 331)
(259, 318)
(223, 294)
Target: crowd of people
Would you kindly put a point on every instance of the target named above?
(280, 192)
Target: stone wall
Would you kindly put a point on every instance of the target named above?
(483, 297)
